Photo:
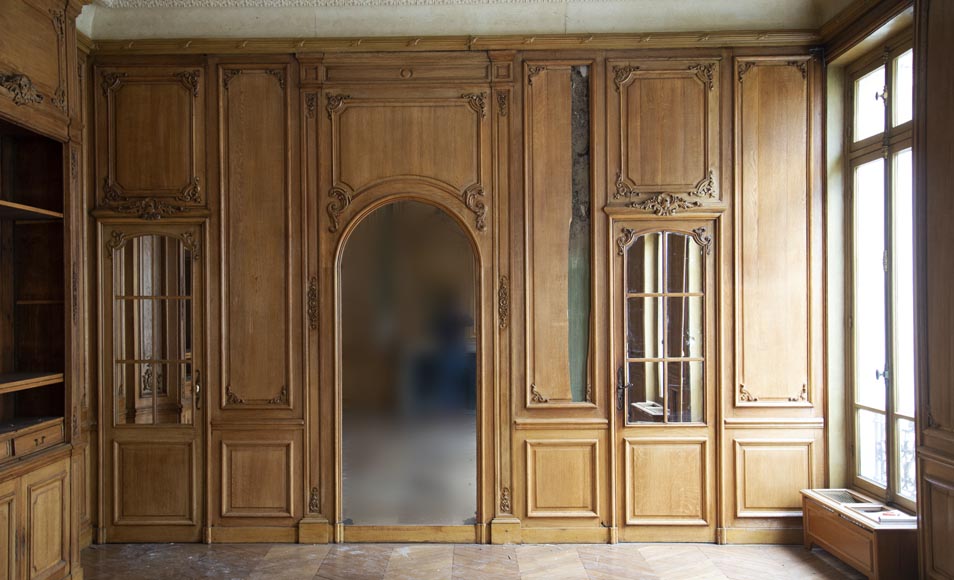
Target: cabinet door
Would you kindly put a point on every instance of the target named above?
(8, 529)
(47, 497)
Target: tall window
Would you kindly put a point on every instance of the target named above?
(882, 259)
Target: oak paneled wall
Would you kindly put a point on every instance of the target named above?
(934, 209)
(150, 139)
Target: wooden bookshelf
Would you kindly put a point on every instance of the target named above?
(22, 212)
(11, 382)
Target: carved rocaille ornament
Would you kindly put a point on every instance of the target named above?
(340, 200)
(536, 396)
(191, 80)
(311, 104)
(335, 102)
(704, 73)
(232, 398)
(706, 187)
(622, 75)
(624, 240)
(477, 102)
(505, 506)
(118, 239)
(110, 81)
(746, 396)
(314, 502)
(744, 68)
(502, 107)
(150, 208)
(313, 303)
(801, 65)
(21, 88)
(664, 204)
(474, 200)
(702, 237)
(533, 71)
(503, 302)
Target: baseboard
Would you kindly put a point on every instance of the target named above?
(566, 535)
(315, 531)
(785, 536)
(505, 531)
(253, 535)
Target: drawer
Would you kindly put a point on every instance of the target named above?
(852, 543)
(6, 449)
(37, 440)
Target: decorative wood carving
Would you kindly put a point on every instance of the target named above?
(314, 502)
(118, 239)
(74, 164)
(477, 102)
(503, 302)
(234, 399)
(704, 73)
(149, 208)
(702, 237)
(191, 80)
(801, 65)
(74, 292)
(536, 396)
(505, 505)
(744, 68)
(229, 74)
(279, 75)
(22, 89)
(59, 99)
(335, 102)
(311, 104)
(110, 81)
(801, 396)
(313, 303)
(589, 393)
(624, 240)
(745, 395)
(533, 71)
(664, 204)
(622, 190)
(59, 22)
(623, 75)
(706, 186)
(191, 244)
(474, 200)
(502, 103)
(340, 200)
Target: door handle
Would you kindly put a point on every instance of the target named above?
(621, 387)
(198, 390)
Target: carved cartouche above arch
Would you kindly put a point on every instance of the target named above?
(118, 240)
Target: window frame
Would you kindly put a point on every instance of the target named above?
(886, 144)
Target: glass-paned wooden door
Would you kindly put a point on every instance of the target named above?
(152, 359)
(664, 340)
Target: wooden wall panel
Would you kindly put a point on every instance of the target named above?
(666, 481)
(46, 496)
(260, 241)
(563, 478)
(150, 134)
(146, 483)
(663, 130)
(777, 279)
(769, 473)
(934, 210)
(549, 179)
(9, 522)
(245, 457)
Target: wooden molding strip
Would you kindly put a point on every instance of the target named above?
(457, 43)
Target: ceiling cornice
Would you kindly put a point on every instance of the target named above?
(317, 3)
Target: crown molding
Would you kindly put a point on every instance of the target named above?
(459, 43)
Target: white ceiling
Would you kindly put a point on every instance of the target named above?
(125, 19)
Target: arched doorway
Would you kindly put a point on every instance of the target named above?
(409, 370)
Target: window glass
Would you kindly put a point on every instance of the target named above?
(907, 478)
(869, 104)
(903, 270)
(903, 99)
(872, 440)
(869, 283)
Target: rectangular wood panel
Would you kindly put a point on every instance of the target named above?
(9, 521)
(775, 338)
(261, 224)
(46, 493)
(562, 478)
(549, 211)
(245, 492)
(152, 483)
(770, 473)
(666, 481)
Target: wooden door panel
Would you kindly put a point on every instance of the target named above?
(262, 216)
(9, 524)
(666, 480)
(151, 483)
(46, 493)
(150, 139)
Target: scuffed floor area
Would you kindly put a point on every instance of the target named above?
(453, 562)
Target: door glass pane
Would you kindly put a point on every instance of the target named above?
(579, 279)
(869, 106)
(684, 269)
(872, 447)
(646, 392)
(869, 285)
(903, 101)
(684, 327)
(644, 264)
(153, 394)
(644, 327)
(152, 331)
(903, 284)
(684, 381)
(907, 478)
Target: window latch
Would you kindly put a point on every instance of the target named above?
(882, 374)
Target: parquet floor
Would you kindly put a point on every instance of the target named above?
(458, 562)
